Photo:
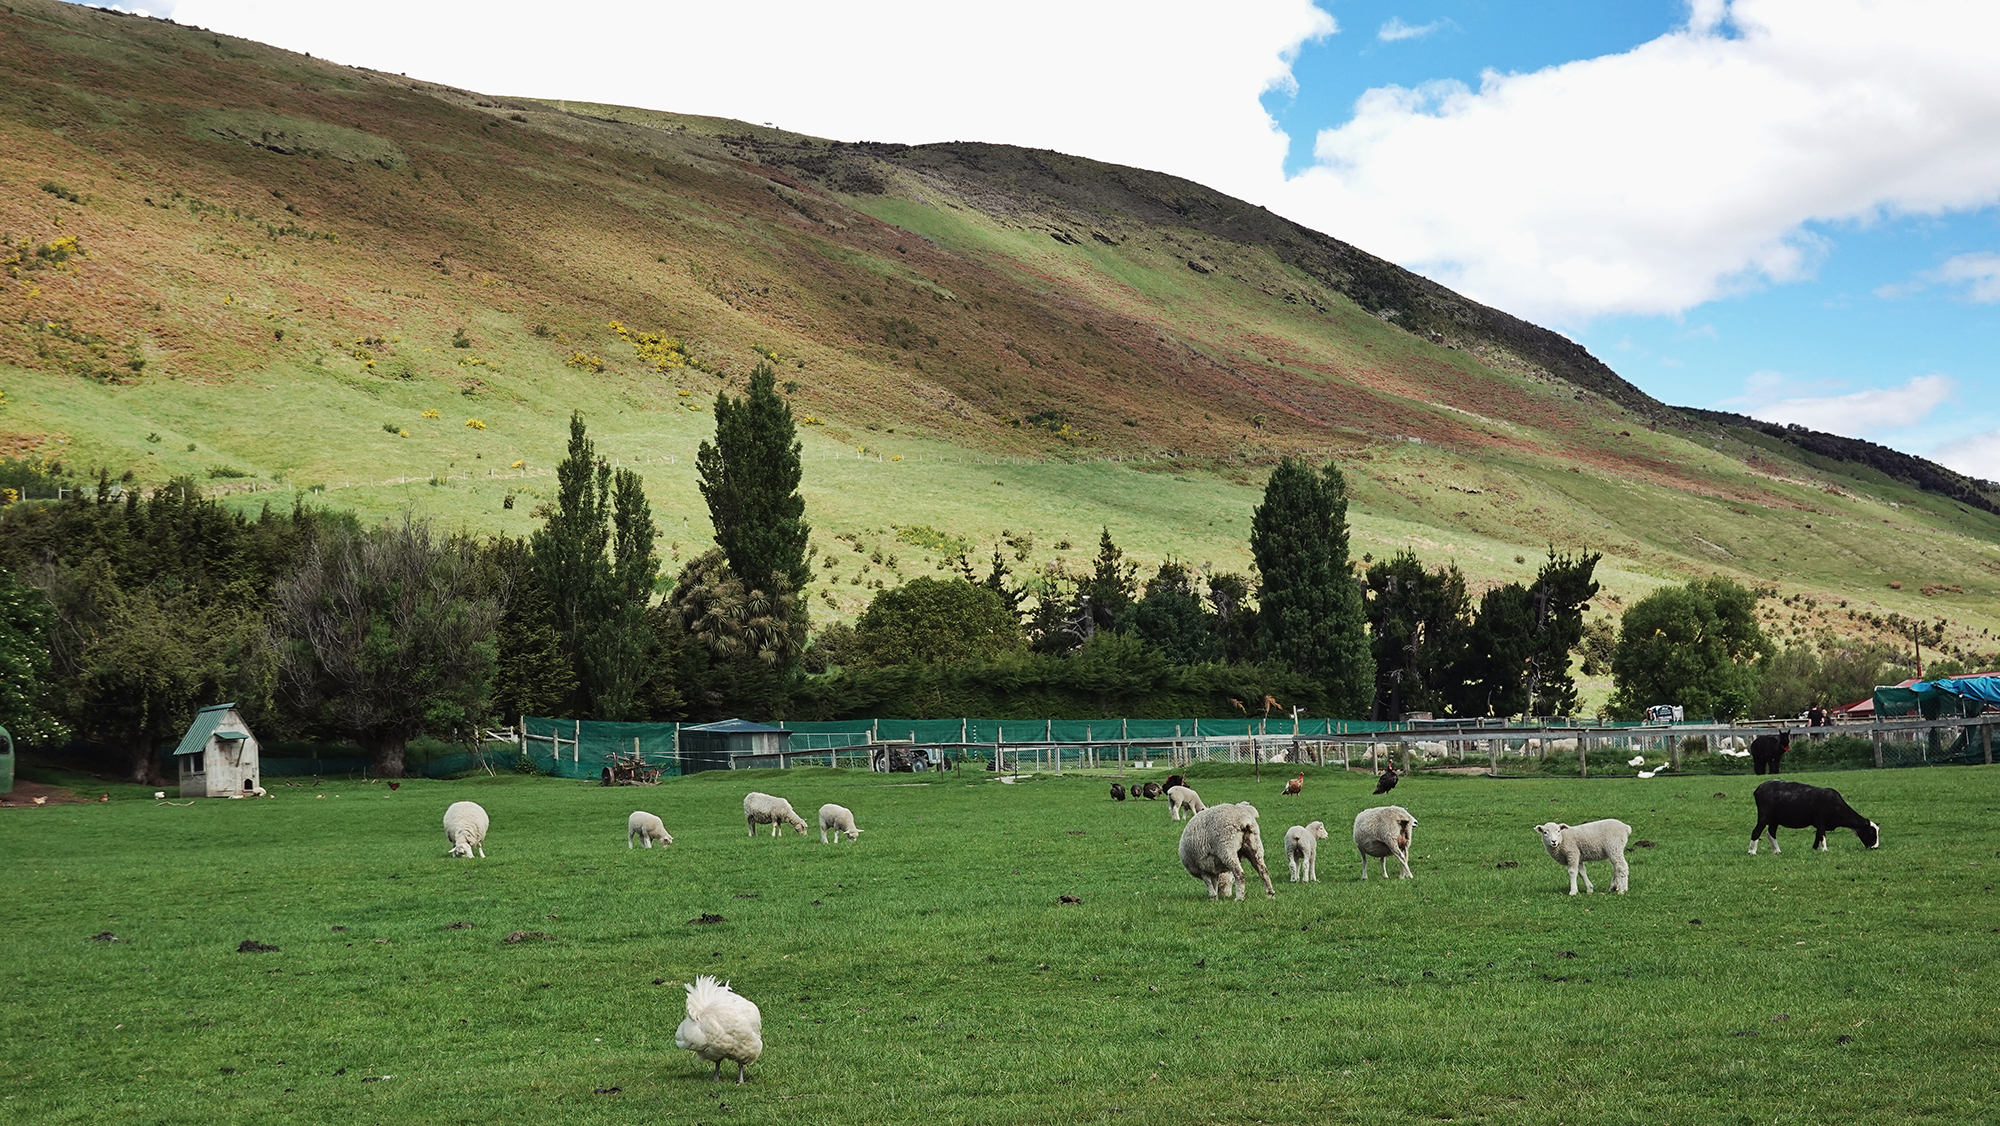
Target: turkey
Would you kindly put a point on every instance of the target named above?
(721, 1025)
(1387, 781)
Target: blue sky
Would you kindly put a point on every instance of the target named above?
(1789, 208)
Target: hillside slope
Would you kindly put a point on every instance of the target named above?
(277, 273)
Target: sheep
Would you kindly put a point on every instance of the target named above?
(1384, 831)
(1430, 750)
(1216, 842)
(721, 1025)
(1572, 845)
(839, 819)
(465, 829)
(1561, 746)
(763, 809)
(1795, 805)
(1180, 797)
(1767, 752)
(1729, 743)
(1302, 851)
(1117, 791)
(646, 827)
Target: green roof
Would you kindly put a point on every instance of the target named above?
(205, 722)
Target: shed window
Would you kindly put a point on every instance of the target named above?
(190, 764)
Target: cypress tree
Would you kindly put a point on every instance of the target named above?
(1312, 616)
(750, 478)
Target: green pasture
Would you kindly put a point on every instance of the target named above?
(929, 974)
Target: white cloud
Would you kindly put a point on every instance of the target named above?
(1858, 414)
(1396, 30)
(1677, 172)
(1163, 84)
(1982, 270)
(1976, 456)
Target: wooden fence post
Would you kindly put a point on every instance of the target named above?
(1986, 741)
(1875, 733)
(1582, 754)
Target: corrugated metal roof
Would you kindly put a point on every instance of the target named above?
(731, 725)
(205, 722)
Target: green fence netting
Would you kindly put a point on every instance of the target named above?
(1068, 731)
(573, 748)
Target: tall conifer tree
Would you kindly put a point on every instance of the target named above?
(750, 478)
(1311, 613)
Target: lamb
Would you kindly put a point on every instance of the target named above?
(1117, 791)
(1767, 752)
(1795, 805)
(1302, 851)
(1216, 842)
(721, 1025)
(465, 829)
(839, 819)
(646, 827)
(1180, 797)
(763, 809)
(1572, 845)
(1384, 831)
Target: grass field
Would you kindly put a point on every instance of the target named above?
(928, 973)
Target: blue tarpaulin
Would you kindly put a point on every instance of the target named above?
(1963, 696)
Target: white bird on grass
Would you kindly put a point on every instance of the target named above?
(1636, 760)
(721, 1025)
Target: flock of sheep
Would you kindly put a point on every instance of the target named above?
(1216, 844)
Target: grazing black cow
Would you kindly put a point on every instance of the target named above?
(1117, 792)
(1767, 752)
(1795, 805)
(1388, 780)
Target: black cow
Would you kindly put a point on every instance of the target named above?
(1795, 805)
(1767, 752)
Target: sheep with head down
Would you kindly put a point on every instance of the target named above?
(1384, 831)
(1217, 842)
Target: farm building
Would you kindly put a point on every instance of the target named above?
(732, 744)
(217, 757)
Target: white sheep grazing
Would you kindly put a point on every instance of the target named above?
(1302, 851)
(1181, 797)
(1572, 845)
(465, 829)
(1431, 751)
(1561, 746)
(646, 827)
(1216, 842)
(1384, 831)
(763, 809)
(839, 819)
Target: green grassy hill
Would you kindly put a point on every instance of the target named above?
(275, 273)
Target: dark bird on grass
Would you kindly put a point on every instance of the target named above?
(1296, 785)
(1388, 780)
(395, 785)
(1117, 792)
(1172, 781)
(1151, 791)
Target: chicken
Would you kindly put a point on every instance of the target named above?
(1296, 785)
(1388, 780)
(721, 1025)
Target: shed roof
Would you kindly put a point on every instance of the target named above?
(205, 722)
(733, 726)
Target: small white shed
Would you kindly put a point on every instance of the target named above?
(217, 757)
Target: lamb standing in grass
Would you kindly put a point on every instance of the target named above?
(1384, 831)
(1216, 842)
(840, 820)
(465, 829)
(1572, 845)
(646, 827)
(721, 1025)
(763, 809)
(1180, 797)
(1302, 851)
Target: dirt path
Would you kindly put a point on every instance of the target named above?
(25, 793)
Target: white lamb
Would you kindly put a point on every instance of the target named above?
(1216, 842)
(646, 827)
(465, 829)
(839, 819)
(1181, 797)
(1302, 851)
(1572, 845)
(763, 809)
(1384, 831)
(1561, 746)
